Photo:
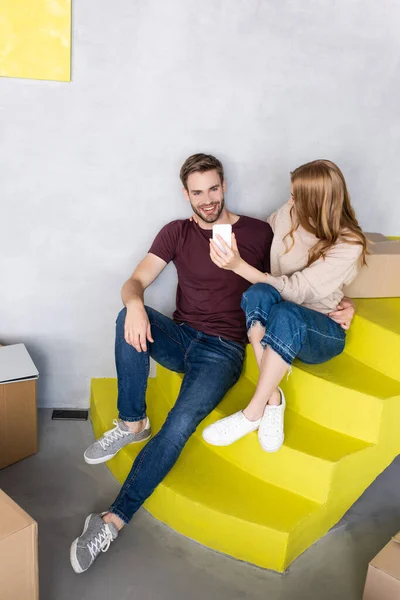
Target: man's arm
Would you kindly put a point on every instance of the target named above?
(137, 326)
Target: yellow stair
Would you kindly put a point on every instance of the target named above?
(342, 429)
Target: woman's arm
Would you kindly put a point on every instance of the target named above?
(320, 279)
(231, 260)
(250, 273)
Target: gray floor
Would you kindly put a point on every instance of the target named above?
(150, 562)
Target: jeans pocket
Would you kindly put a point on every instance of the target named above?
(233, 346)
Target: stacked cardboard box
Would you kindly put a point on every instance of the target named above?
(383, 577)
(18, 413)
(380, 278)
(18, 552)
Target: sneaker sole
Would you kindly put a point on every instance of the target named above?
(72, 554)
(221, 444)
(269, 450)
(103, 459)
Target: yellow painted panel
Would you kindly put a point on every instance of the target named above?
(35, 39)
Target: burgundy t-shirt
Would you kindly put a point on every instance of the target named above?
(208, 298)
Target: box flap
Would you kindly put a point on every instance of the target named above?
(388, 559)
(396, 537)
(13, 518)
(16, 364)
(389, 247)
(375, 237)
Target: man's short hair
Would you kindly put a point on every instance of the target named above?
(200, 163)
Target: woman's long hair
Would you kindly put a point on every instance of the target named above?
(322, 206)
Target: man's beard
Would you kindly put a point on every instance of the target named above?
(211, 218)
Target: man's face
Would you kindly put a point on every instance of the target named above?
(206, 195)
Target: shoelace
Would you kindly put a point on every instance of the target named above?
(112, 435)
(101, 542)
(234, 423)
(273, 419)
(221, 426)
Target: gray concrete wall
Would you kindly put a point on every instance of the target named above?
(89, 170)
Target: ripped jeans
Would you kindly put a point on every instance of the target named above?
(292, 330)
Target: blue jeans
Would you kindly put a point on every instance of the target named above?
(211, 365)
(292, 330)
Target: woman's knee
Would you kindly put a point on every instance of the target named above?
(260, 295)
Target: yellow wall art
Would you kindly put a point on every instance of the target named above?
(35, 39)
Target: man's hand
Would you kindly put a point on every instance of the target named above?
(344, 313)
(137, 327)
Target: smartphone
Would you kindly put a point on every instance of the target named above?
(225, 231)
(70, 415)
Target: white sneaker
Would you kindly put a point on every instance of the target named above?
(229, 430)
(270, 432)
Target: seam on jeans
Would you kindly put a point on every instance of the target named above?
(279, 342)
(119, 514)
(166, 333)
(132, 478)
(332, 337)
(256, 311)
(279, 350)
(303, 326)
(129, 419)
(163, 437)
(147, 371)
(188, 348)
(236, 350)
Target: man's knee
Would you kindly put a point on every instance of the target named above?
(178, 428)
(121, 316)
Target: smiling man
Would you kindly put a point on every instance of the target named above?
(205, 340)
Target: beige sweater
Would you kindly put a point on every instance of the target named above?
(318, 286)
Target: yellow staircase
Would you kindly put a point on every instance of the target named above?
(342, 429)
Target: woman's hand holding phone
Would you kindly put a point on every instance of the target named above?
(227, 258)
(223, 256)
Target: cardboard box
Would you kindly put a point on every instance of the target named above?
(18, 412)
(18, 552)
(383, 577)
(380, 278)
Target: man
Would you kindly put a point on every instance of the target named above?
(205, 340)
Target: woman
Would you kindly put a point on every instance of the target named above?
(316, 250)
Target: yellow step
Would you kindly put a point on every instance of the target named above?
(216, 502)
(342, 430)
(342, 394)
(374, 337)
(308, 460)
(209, 500)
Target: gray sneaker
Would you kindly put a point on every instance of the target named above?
(113, 440)
(96, 537)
